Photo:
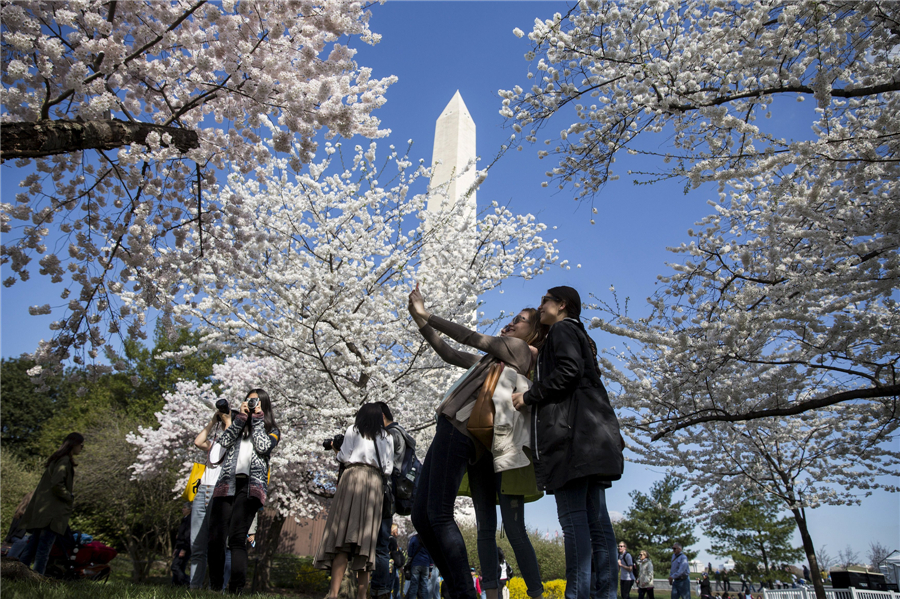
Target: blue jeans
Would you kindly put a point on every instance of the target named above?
(200, 534)
(435, 583)
(18, 548)
(381, 580)
(395, 586)
(681, 589)
(590, 543)
(485, 486)
(432, 515)
(419, 583)
(38, 549)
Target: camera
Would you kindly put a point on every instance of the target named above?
(333, 443)
(223, 407)
(252, 403)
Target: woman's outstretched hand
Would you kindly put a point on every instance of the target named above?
(416, 307)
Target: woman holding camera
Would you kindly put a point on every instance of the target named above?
(48, 512)
(577, 444)
(351, 531)
(454, 451)
(242, 487)
(200, 506)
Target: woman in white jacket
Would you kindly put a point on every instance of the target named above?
(516, 347)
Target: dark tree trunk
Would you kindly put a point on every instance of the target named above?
(269, 548)
(814, 571)
(46, 138)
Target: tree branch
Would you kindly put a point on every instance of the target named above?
(46, 138)
(797, 408)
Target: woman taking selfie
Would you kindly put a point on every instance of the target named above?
(48, 513)
(351, 530)
(454, 448)
(242, 487)
(577, 444)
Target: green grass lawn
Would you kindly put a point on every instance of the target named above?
(111, 590)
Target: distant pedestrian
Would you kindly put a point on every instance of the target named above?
(626, 571)
(181, 560)
(420, 569)
(718, 578)
(47, 515)
(704, 586)
(679, 574)
(645, 576)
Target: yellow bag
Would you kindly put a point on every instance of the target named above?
(193, 482)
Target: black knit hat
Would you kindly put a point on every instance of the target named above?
(570, 297)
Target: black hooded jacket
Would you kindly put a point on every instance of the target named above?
(575, 432)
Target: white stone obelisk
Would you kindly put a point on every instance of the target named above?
(454, 149)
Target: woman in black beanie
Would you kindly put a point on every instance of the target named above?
(577, 444)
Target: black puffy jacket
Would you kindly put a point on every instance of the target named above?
(574, 428)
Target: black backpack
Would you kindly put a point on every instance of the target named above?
(406, 481)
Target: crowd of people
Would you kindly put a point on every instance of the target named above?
(550, 429)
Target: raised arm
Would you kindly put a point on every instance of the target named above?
(511, 350)
(231, 433)
(421, 316)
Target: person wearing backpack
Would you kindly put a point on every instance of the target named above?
(382, 581)
(626, 570)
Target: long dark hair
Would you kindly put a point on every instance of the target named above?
(265, 405)
(570, 297)
(538, 331)
(71, 441)
(369, 420)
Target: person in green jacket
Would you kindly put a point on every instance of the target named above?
(47, 516)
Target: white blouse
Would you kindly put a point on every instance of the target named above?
(359, 450)
(244, 452)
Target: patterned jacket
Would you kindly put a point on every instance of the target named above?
(263, 444)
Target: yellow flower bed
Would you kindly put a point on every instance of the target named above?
(553, 589)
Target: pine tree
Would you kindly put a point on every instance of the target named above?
(754, 536)
(655, 521)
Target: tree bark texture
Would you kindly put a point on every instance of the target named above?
(814, 571)
(46, 138)
(269, 548)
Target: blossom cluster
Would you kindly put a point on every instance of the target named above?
(112, 224)
(312, 287)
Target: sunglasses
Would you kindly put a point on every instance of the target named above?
(549, 298)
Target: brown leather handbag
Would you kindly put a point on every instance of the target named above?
(481, 421)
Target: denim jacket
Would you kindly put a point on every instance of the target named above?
(263, 444)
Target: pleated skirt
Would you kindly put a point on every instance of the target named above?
(354, 519)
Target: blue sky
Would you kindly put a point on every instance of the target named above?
(437, 48)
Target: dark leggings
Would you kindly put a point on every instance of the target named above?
(230, 518)
(432, 515)
(645, 591)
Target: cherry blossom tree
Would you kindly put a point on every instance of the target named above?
(768, 357)
(130, 110)
(316, 310)
(784, 300)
